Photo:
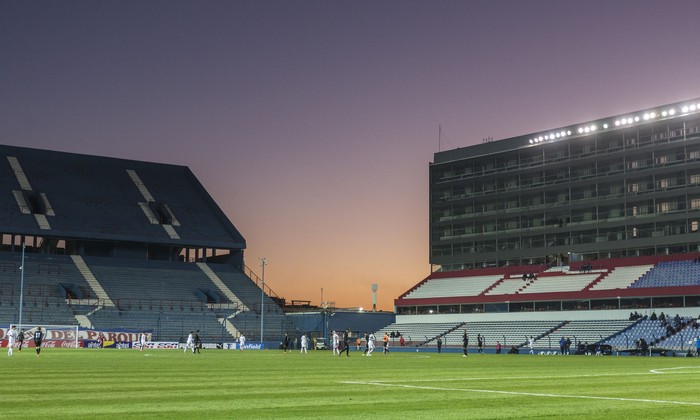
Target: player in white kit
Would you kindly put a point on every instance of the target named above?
(11, 339)
(190, 342)
(336, 344)
(370, 344)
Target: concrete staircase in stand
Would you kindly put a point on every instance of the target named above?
(92, 280)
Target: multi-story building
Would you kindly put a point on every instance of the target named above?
(625, 185)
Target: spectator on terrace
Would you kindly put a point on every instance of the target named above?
(653, 316)
(402, 342)
(498, 347)
(562, 345)
(697, 346)
(568, 345)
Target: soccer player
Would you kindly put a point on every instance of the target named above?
(241, 342)
(197, 342)
(11, 338)
(190, 342)
(20, 339)
(370, 344)
(336, 344)
(285, 342)
(346, 342)
(465, 343)
(531, 344)
(38, 336)
(142, 340)
(304, 343)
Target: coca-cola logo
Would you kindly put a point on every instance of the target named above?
(48, 344)
(68, 344)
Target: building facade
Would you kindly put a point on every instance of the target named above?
(621, 186)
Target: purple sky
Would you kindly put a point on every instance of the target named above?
(312, 123)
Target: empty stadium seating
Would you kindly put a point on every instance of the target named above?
(671, 274)
(622, 277)
(459, 286)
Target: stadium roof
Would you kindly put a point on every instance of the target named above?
(67, 195)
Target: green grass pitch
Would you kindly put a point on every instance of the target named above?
(107, 383)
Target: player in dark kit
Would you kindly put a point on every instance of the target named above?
(197, 343)
(346, 342)
(20, 339)
(38, 336)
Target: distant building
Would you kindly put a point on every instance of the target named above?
(620, 186)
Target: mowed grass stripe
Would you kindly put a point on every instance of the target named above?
(270, 384)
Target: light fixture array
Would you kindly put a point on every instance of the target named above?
(620, 122)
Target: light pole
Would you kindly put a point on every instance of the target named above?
(262, 300)
(21, 288)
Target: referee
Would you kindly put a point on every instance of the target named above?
(38, 336)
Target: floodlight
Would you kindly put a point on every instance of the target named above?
(672, 111)
(605, 125)
(580, 130)
(684, 109)
(692, 107)
(636, 119)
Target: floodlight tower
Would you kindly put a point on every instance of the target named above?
(21, 287)
(375, 287)
(262, 299)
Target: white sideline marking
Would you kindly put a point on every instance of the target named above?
(516, 378)
(663, 370)
(531, 394)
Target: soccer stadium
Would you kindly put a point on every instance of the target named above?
(580, 240)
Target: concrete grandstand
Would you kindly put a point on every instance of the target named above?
(588, 229)
(115, 243)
